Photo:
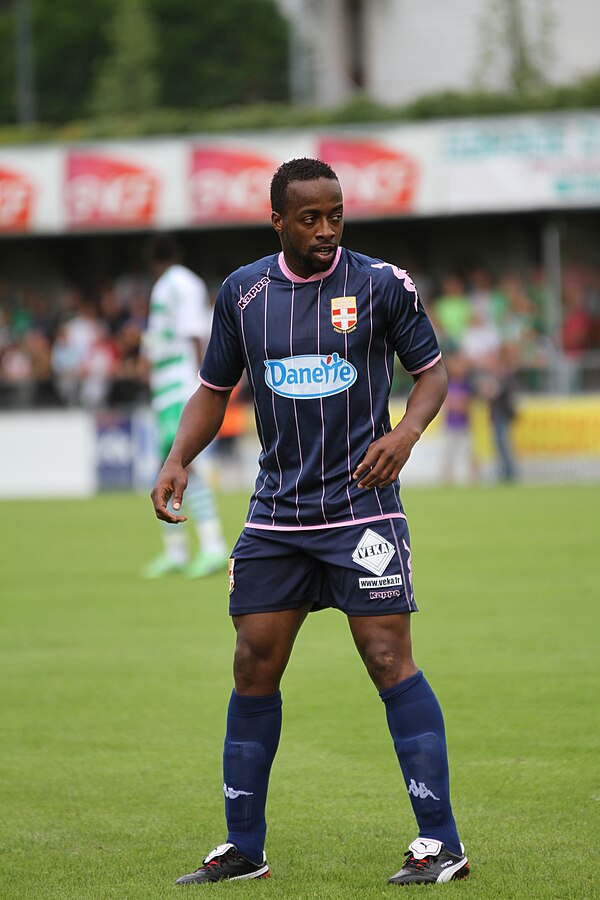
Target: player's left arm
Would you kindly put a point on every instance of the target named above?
(386, 456)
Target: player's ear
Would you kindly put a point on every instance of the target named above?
(276, 222)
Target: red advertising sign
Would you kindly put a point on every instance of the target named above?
(374, 178)
(228, 185)
(16, 201)
(103, 190)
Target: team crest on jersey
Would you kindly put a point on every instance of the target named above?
(344, 317)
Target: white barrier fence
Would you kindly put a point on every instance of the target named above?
(78, 453)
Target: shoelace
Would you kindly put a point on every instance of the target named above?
(414, 863)
(216, 862)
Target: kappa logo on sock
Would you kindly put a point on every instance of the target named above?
(232, 794)
(420, 790)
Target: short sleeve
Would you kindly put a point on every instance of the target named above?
(409, 327)
(224, 361)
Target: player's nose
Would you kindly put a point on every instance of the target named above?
(325, 230)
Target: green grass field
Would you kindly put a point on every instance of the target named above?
(114, 693)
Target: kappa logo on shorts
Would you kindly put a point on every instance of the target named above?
(373, 552)
(231, 578)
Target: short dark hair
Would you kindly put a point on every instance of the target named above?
(303, 169)
(163, 248)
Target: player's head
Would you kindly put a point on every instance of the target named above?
(303, 169)
(307, 214)
(163, 251)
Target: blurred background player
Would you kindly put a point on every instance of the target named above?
(178, 328)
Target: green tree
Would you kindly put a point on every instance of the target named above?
(516, 45)
(211, 55)
(68, 40)
(127, 80)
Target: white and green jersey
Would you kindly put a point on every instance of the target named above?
(179, 312)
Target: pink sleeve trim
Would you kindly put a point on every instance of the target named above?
(428, 366)
(213, 387)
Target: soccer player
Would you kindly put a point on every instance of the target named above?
(178, 328)
(316, 328)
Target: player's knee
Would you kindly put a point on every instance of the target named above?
(386, 666)
(254, 672)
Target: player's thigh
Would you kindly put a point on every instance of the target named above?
(269, 584)
(264, 643)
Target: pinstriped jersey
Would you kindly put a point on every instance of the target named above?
(319, 356)
(179, 311)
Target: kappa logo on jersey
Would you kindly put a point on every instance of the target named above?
(253, 292)
(309, 377)
(402, 275)
(343, 314)
(16, 200)
(373, 552)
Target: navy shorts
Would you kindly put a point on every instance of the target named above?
(363, 570)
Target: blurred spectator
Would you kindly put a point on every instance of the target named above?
(577, 324)
(459, 465)
(39, 349)
(519, 314)
(16, 370)
(65, 367)
(486, 298)
(130, 374)
(451, 311)
(498, 387)
(112, 313)
(97, 371)
(480, 340)
(50, 347)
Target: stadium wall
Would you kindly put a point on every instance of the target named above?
(76, 453)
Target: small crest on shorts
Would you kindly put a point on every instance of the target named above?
(344, 316)
(231, 578)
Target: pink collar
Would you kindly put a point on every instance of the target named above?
(316, 277)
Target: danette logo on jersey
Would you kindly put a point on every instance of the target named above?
(104, 190)
(343, 314)
(16, 200)
(309, 377)
(373, 552)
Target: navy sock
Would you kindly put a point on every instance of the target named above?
(417, 727)
(251, 740)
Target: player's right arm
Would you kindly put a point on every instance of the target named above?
(200, 421)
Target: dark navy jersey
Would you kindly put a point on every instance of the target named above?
(319, 355)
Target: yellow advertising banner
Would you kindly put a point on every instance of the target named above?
(546, 427)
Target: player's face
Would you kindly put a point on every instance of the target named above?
(311, 226)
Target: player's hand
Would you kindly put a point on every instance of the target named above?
(171, 483)
(384, 459)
